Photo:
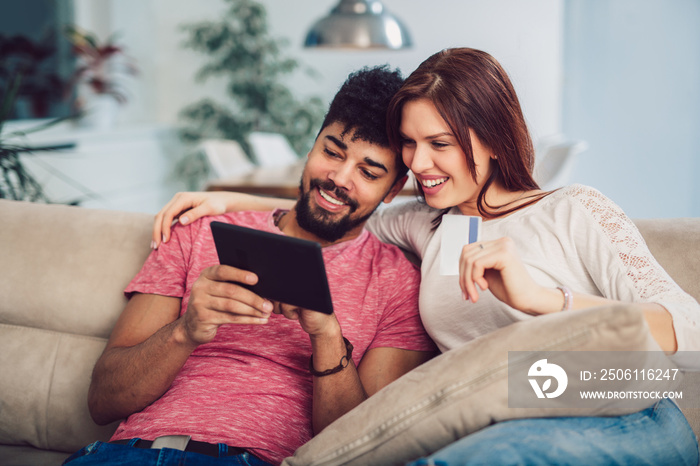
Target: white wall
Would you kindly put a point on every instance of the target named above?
(624, 75)
(526, 37)
(504, 28)
(632, 71)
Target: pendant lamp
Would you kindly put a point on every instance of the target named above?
(358, 24)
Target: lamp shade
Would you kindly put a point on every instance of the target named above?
(361, 24)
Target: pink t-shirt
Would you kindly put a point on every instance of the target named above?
(250, 387)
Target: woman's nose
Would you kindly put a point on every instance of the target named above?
(419, 159)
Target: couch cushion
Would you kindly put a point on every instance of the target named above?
(29, 456)
(674, 244)
(44, 387)
(68, 266)
(468, 390)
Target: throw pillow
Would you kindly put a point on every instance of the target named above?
(466, 389)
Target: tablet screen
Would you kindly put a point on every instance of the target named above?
(290, 270)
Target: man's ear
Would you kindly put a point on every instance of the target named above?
(395, 189)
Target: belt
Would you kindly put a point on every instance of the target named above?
(181, 442)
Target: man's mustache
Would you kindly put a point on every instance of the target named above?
(330, 187)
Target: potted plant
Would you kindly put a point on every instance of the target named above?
(36, 60)
(251, 62)
(16, 182)
(98, 76)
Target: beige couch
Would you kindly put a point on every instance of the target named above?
(63, 271)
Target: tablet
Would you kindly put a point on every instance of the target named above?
(290, 270)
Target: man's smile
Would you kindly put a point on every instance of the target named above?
(330, 198)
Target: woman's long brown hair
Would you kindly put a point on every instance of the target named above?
(471, 91)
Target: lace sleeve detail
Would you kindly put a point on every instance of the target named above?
(642, 269)
(650, 281)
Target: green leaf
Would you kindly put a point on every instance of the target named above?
(254, 65)
(15, 181)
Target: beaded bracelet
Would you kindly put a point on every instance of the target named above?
(568, 297)
(344, 362)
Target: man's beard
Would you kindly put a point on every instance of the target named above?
(323, 224)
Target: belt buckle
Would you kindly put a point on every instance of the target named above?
(176, 442)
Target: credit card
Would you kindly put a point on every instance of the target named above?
(457, 231)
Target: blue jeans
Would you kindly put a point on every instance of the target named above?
(100, 453)
(659, 435)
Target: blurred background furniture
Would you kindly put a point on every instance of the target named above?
(266, 181)
(276, 172)
(226, 158)
(554, 161)
(271, 150)
(280, 182)
(272, 168)
(125, 168)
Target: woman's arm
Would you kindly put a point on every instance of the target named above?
(406, 225)
(630, 273)
(496, 266)
(614, 256)
(187, 207)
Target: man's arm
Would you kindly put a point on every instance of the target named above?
(336, 394)
(381, 366)
(146, 350)
(150, 342)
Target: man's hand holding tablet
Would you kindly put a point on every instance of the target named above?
(290, 270)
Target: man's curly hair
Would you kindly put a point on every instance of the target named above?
(361, 105)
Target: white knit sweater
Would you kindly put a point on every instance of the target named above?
(574, 237)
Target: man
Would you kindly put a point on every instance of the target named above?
(196, 355)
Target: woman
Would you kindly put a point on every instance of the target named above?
(459, 126)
